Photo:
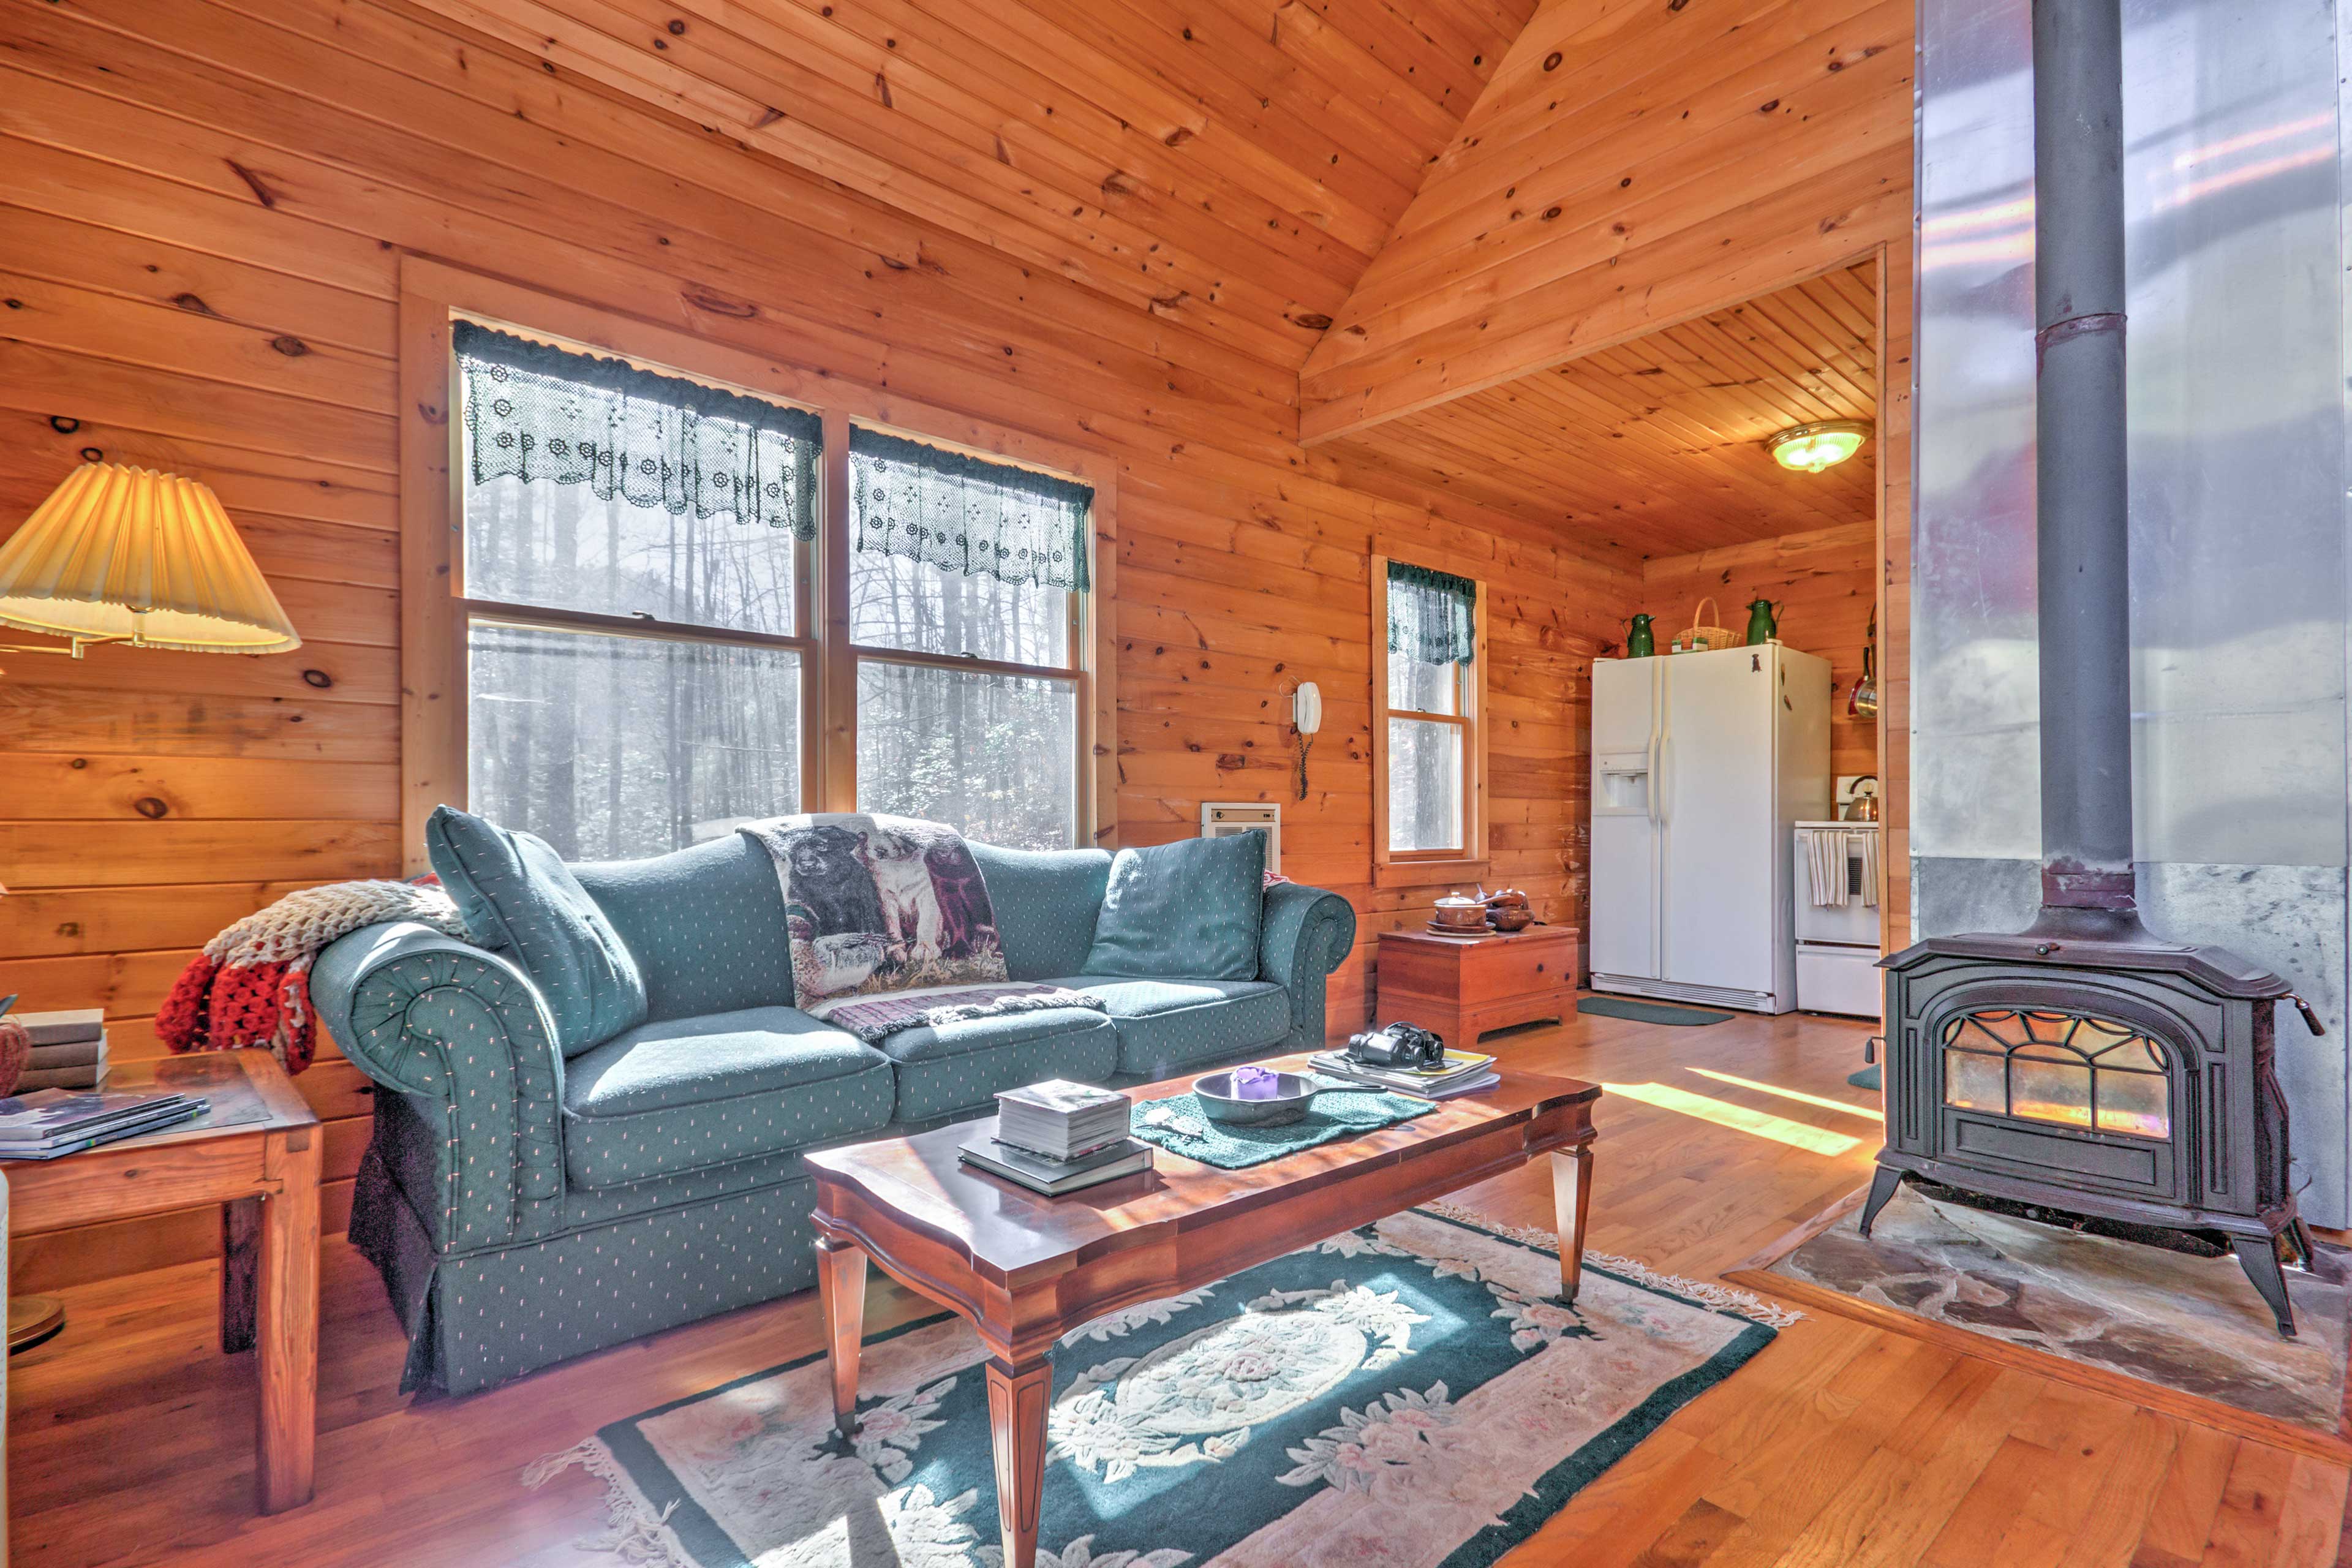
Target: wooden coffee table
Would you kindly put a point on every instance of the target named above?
(1028, 1269)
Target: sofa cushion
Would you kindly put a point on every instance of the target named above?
(944, 1069)
(706, 924)
(1188, 910)
(1167, 1026)
(686, 1094)
(515, 894)
(1046, 901)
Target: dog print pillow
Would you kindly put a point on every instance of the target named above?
(880, 903)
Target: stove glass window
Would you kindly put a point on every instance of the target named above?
(2070, 1068)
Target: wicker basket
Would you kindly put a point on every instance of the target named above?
(1701, 635)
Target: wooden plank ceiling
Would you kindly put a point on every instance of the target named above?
(1231, 166)
(1588, 194)
(1657, 444)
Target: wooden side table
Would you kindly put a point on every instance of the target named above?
(1462, 986)
(255, 1151)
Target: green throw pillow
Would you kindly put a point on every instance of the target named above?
(1190, 908)
(515, 894)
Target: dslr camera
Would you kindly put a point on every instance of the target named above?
(1398, 1046)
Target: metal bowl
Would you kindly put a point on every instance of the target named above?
(1294, 1092)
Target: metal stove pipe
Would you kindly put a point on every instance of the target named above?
(2081, 467)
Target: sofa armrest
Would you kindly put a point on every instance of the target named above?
(1302, 938)
(468, 1038)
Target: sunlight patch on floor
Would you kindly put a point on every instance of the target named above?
(1738, 1117)
(1868, 1113)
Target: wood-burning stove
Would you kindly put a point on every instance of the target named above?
(2097, 1071)
(2084, 1064)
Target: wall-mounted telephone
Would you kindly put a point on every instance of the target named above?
(1307, 709)
(1306, 717)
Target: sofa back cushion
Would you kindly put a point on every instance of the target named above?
(516, 895)
(706, 922)
(1191, 908)
(1046, 902)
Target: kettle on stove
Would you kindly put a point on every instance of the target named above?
(1861, 804)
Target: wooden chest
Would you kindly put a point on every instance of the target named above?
(1462, 986)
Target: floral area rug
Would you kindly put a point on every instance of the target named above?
(1411, 1394)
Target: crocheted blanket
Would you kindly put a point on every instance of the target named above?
(252, 984)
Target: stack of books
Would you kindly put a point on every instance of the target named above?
(53, 1122)
(68, 1049)
(1464, 1072)
(1056, 1137)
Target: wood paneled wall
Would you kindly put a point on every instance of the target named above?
(202, 210)
(1629, 166)
(1826, 582)
(204, 205)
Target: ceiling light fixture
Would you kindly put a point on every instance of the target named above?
(1813, 447)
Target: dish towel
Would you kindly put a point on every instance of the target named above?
(1825, 865)
(1827, 853)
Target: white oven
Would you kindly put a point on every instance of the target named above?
(1836, 897)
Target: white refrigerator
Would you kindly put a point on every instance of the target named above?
(1702, 765)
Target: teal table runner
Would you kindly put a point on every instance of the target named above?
(1342, 1111)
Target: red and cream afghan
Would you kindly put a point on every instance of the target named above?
(252, 985)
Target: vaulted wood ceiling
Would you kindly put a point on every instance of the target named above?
(1231, 166)
(1657, 444)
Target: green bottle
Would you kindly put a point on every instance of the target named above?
(1761, 626)
(1639, 642)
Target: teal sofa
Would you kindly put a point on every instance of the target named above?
(524, 1208)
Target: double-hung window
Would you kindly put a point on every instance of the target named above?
(966, 584)
(679, 606)
(636, 547)
(1428, 690)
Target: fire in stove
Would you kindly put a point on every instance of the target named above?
(2070, 1068)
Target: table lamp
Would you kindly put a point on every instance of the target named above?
(119, 554)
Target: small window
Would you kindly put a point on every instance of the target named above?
(1427, 759)
(634, 547)
(967, 586)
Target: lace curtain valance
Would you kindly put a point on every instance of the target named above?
(542, 413)
(1433, 615)
(965, 514)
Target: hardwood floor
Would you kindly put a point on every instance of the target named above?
(1842, 1446)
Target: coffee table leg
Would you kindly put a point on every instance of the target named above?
(841, 1281)
(1572, 1197)
(1017, 1399)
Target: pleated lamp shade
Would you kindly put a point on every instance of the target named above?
(127, 554)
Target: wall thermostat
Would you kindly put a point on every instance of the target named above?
(1222, 818)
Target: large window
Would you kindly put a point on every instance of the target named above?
(651, 647)
(1428, 768)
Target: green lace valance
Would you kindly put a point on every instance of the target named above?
(965, 514)
(1433, 615)
(543, 413)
